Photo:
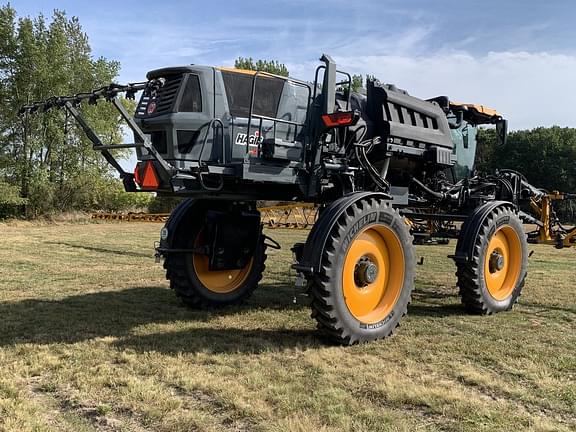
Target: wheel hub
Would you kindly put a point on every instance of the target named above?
(365, 272)
(496, 261)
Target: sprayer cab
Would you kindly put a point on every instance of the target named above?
(215, 123)
(464, 119)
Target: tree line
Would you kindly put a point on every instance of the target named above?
(545, 155)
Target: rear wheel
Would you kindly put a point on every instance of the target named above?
(492, 279)
(196, 284)
(367, 274)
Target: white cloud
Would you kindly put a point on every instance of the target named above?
(530, 89)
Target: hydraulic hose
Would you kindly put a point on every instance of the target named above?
(438, 195)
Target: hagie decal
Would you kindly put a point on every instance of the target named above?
(253, 140)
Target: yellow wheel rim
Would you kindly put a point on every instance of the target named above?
(373, 274)
(503, 263)
(218, 281)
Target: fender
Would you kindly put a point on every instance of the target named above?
(316, 241)
(471, 229)
(168, 234)
(183, 215)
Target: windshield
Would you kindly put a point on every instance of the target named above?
(464, 139)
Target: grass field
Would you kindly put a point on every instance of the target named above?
(91, 338)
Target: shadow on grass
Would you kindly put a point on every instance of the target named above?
(434, 291)
(102, 250)
(426, 301)
(545, 308)
(116, 313)
(224, 340)
(436, 310)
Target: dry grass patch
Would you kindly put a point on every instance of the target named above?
(91, 338)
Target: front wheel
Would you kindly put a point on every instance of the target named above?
(492, 279)
(199, 286)
(367, 274)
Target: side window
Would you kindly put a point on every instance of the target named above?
(293, 103)
(192, 98)
(292, 107)
(267, 94)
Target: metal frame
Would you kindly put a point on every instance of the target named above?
(275, 120)
(109, 93)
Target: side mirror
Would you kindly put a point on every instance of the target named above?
(501, 131)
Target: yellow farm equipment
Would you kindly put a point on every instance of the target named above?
(550, 230)
(131, 217)
(294, 216)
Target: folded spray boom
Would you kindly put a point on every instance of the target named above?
(108, 92)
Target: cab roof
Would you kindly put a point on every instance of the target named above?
(480, 113)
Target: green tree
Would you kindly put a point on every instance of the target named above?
(270, 66)
(545, 155)
(47, 155)
(486, 146)
(10, 199)
(163, 204)
(356, 82)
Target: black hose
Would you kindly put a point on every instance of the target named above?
(360, 149)
(439, 195)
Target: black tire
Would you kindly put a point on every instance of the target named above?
(480, 290)
(186, 281)
(341, 318)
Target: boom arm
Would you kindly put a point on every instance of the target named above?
(109, 94)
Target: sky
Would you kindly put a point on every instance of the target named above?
(518, 57)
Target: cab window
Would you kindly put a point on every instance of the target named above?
(267, 94)
(192, 98)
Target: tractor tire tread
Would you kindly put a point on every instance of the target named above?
(468, 272)
(328, 321)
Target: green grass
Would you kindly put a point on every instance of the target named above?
(91, 338)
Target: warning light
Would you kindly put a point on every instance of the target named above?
(137, 177)
(341, 118)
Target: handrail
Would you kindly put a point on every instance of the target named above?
(251, 112)
(211, 126)
(279, 120)
(349, 82)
